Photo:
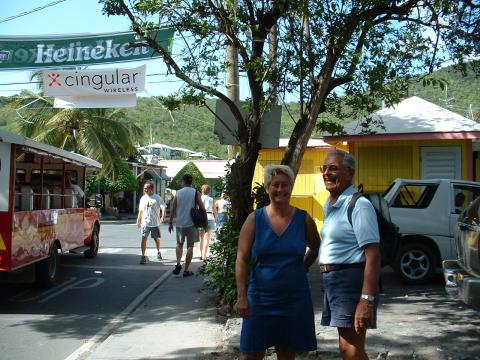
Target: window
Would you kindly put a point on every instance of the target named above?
(414, 196)
(463, 195)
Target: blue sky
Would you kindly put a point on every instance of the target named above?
(70, 17)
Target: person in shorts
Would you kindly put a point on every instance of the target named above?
(149, 218)
(349, 258)
(184, 200)
(206, 233)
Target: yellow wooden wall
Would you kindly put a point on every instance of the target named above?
(309, 190)
(380, 162)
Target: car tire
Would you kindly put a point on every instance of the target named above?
(93, 250)
(47, 269)
(415, 263)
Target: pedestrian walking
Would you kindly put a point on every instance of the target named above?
(349, 258)
(222, 206)
(149, 218)
(277, 308)
(206, 233)
(185, 198)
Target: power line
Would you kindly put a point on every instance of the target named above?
(31, 11)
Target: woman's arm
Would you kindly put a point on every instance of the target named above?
(313, 240)
(245, 241)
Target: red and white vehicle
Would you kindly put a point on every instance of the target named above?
(41, 213)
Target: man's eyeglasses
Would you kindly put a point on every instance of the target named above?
(331, 168)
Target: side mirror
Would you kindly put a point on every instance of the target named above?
(96, 202)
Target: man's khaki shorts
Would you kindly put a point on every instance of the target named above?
(190, 233)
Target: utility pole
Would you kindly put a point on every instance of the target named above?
(233, 88)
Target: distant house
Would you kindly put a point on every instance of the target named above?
(420, 140)
(210, 169)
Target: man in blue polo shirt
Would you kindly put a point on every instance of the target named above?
(349, 258)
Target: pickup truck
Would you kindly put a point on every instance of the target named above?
(426, 212)
(462, 276)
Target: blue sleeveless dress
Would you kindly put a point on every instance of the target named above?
(281, 310)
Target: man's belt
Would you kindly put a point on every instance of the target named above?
(325, 268)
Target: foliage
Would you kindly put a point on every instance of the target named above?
(192, 169)
(123, 181)
(260, 195)
(220, 266)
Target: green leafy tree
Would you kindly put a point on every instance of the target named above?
(192, 169)
(367, 50)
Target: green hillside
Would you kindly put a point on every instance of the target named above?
(192, 127)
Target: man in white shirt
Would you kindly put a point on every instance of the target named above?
(149, 218)
(185, 199)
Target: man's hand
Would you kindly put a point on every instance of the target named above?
(363, 315)
(170, 227)
(139, 223)
(162, 219)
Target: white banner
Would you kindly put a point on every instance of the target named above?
(105, 82)
(95, 101)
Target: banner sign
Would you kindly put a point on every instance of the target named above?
(110, 82)
(95, 102)
(59, 51)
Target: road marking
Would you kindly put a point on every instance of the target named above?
(18, 297)
(109, 250)
(149, 266)
(104, 333)
(94, 283)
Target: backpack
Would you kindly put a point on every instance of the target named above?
(388, 231)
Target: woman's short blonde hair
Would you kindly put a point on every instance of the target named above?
(206, 189)
(272, 170)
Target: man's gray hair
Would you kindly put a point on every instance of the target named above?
(272, 170)
(348, 159)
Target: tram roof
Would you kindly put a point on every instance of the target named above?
(41, 148)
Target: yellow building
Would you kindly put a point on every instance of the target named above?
(309, 191)
(418, 140)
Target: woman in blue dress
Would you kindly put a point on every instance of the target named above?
(277, 307)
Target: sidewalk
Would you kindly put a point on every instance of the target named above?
(179, 321)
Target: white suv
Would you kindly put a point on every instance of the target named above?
(426, 211)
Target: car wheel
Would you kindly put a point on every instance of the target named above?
(93, 251)
(415, 263)
(46, 270)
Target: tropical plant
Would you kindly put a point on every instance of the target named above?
(96, 133)
(367, 50)
(192, 169)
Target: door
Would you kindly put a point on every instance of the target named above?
(441, 162)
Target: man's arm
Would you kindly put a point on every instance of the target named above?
(139, 217)
(172, 214)
(371, 276)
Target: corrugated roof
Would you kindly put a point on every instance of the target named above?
(416, 115)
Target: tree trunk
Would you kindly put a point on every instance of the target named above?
(240, 185)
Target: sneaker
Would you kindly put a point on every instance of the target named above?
(143, 260)
(159, 256)
(177, 269)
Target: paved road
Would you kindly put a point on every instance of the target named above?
(90, 294)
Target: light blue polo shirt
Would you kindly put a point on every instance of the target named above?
(340, 242)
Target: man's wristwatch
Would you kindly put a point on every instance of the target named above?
(367, 297)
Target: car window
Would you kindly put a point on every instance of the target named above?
(414, 196)
(463, 195)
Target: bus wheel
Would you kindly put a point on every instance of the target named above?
(46, 270)
(93, 251)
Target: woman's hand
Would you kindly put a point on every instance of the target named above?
(242, 307)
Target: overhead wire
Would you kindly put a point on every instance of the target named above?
(13, 17)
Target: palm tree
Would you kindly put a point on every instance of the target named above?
(97, 133)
